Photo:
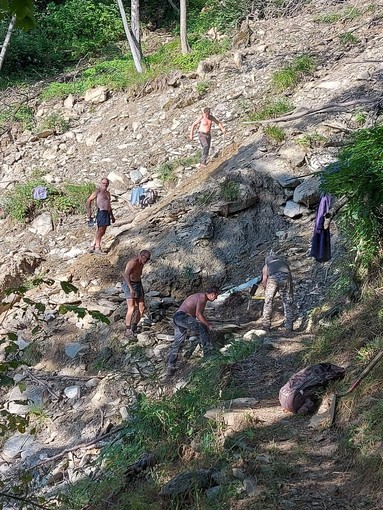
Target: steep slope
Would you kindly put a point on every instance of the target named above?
(192, 242)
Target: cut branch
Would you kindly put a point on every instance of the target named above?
(299, 114)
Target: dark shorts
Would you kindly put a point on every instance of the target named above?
(103, 218)
(138, 289)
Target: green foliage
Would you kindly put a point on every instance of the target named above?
(202, 87)
(23, 115)
(166, 173)
(348, 39)
(311, 140)
(271, 110)
(346, 15)
(274, 133)
(20, 204)
(63, 33)
(203, 15)
(359, 177)
(360, 117)
(229, 190)
(292, 74)
(56, 122)
(23, 9)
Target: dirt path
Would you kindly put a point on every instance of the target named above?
(304, 468)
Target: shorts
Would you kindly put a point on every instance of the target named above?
(103, 218)
(138, 289)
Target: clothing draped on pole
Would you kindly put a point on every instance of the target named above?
(321, 242)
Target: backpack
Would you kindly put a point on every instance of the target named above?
(300, 393)
(149, 198)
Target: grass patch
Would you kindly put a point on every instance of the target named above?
(348, 14)
(271, 110)
(311, 140)
(69, 199)
(120, 73)
(348, 39)
(274, 133)
(229, 190)
(292, 74)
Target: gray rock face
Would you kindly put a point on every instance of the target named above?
(293, 210)
(187, 482)
(308, 193)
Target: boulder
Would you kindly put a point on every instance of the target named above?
(43, 224)
(96, 95)
(308, 192)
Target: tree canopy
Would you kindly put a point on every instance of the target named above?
(24, 10)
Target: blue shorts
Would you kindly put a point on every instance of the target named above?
(138, 289)
(103, 218)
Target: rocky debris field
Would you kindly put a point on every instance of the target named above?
(83, 377)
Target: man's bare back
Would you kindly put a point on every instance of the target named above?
(193, 303)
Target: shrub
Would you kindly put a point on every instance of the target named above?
(20, 204)
(229, 190)
(56, 122)
(348, 39)
(291, 75)
(359, 177)
(272, 110)
(275, 133)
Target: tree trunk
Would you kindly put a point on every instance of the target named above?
(185, 48)
(129, 36)
(135, 22)
(7, 39)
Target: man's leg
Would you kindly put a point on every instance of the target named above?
(97, 240)
(132, 307)
(270, 291)
(139, 312)
(205, 141)
(286, 293)
(204, 338)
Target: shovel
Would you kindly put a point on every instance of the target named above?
(336, 396)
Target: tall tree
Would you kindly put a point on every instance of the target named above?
(185, 48)
(7, 39)
(133, 48)
(135, 23)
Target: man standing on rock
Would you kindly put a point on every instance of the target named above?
(276, 277)
(205, 122)
(104, 216)
(189, 318)
(134, 291)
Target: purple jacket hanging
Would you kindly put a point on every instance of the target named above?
(321, 243)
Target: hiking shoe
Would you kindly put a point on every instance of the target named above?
(130, 335)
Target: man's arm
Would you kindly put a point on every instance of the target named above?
(110, 208)
(130, 267)
(264, 276)
(219, 124)
(201, 303)
(92, 197)
(194, 125)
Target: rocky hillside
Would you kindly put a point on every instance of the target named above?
(83, 378)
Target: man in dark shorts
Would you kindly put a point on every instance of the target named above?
(104, 216)
(189, 318)
(134, 291)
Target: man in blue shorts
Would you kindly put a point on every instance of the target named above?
(104, 216)
(134, 291)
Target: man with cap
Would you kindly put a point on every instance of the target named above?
(276, 277)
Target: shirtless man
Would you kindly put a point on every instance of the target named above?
(134, 291)
(189, 318)
(205, 122)
(104, 216)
